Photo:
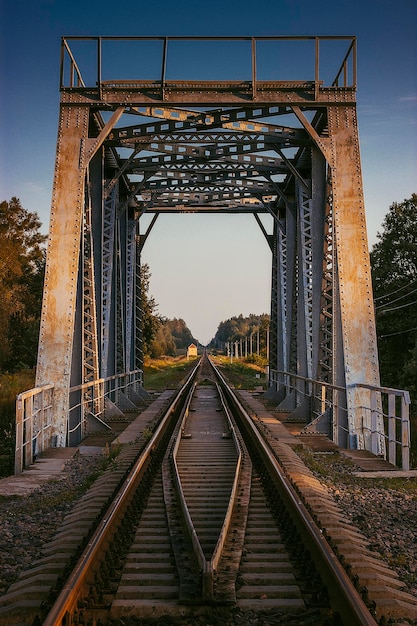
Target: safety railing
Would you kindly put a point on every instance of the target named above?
(34, 412)
(33, 424)
(378, 405)
(92, 400)
(87, 62)
(393, 405)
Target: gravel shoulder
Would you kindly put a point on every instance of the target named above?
(28, 522)
(383, 509)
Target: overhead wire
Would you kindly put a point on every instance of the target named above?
(400, 332)
(396, 299)
(392, 293)
(396, 308)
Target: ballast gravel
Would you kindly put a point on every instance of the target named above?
(384, 510)
(28, 522)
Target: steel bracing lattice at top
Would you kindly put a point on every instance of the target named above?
(287, 149)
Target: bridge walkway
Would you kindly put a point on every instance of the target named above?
(51, 466)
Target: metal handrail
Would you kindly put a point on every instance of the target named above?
(33, 424)
(68, 55)
(396, 418)
(34, 410)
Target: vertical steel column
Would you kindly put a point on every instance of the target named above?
(130, 288)
(273, 335)
(327, 294)
(90, 344)
(331, 361)
(119, 293)
(305, 283)
(310, 242)
(61, 276)
(89, 351)
(286, 243)
(354, 276)
(107, 268)
(69, 323)
(283, 302)
(138, 318)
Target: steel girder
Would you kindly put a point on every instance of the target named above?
(354, 276)
(107, 263)
(187, 157)
(61, 279)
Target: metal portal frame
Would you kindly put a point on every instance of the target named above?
(288, 149)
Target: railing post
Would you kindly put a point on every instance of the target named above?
(99, 71)
(41, 420)
(18, 455)
(405, 431)
(317, 69)
(323, 399)
(253, 68)
(29, 430)
(374, 422)
(354, 63)
(392, 445)
(335, 415)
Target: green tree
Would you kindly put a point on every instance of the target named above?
(22, 263)
(173, 336)
(163, 343)
(394, 275)
(151, 321)
(239, 327)
(180, 332)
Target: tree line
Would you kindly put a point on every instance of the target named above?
(394, 276)
(22, 265)
(239, 329)
(22, 269)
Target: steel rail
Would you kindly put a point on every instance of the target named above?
(68, 597)
(218, 551)
(208, 567)
(343, 595)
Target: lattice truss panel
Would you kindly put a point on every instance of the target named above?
(286, 152)
(241, 159)
(326, 327)
(107, 262)
(194, 159)
(90, 346)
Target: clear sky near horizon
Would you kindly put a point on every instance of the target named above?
(237, 278)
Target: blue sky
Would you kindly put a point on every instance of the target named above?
(237, 279)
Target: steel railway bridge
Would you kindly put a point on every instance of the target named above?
(260, 145)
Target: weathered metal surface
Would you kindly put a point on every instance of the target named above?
(354, 274)
(57, 336)
(208, 94)
(211, 146)
(60, 290)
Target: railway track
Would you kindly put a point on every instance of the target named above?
(208, 513)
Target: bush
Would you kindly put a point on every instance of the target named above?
(10, 386)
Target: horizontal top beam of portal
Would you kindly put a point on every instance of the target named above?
(202, 95)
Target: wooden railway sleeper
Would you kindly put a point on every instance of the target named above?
(342, 593)
(312, 585)
(205, 591)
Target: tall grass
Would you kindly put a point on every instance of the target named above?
(165, 372)
(10, 386)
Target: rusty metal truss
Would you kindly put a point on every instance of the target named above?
(286, 149)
